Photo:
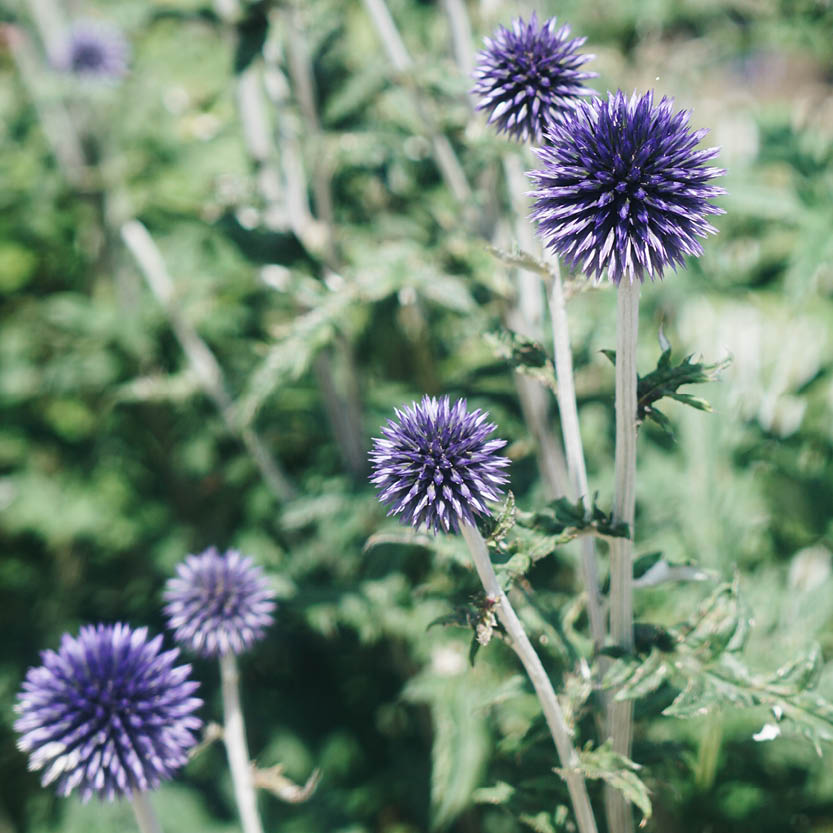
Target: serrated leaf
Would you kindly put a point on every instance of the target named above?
(719, 623)
(602, 763)
(576, 689)
(500, 793)
(540, 823)
(667, 378)
(521, 260)
(567, 520)
(802, 673)
(647, 677)
(298, 346)
(524, 356)
(706, 663)
(460, 743)
(664, 381)
(499, 524)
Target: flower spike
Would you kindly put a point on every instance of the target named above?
(623, 187)
(434, 464)
(107, 713)
(528, 75)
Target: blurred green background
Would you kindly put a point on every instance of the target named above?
(287, 172)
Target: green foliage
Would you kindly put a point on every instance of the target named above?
(602, 763)
(705, 663)
(665, 380)
(114, 463)
(524, 356)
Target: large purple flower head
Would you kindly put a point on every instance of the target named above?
(107, 713)
(623, 187)
(218, 604)
(435, 465)
(94, 50)
(528, 75)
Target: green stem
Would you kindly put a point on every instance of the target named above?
(620, 714)
(145, 815)
(538, 676)
(574, 450)
(234, 735)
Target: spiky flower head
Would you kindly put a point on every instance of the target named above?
(94, 50)
(218, 604)
(107, 713)
(623, 187)
(434, 464)
(528, 75)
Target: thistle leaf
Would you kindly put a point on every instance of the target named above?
(664, 381)
(602, 763)
(524, 356)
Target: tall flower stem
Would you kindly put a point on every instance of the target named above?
(559, 730)
(620, 714)
(234, 735)
(526, 318)
(568, 411)
(145, 814)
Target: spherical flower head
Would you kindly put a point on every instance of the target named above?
(528, 75)
(623, 187)
(94, 50)
(218, 604)
(108, 713)
(434, 464)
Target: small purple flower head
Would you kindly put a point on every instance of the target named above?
(528, 75)
(435, 466)
(107, 713)
(218, 604)
(94, 50)
(623, 188)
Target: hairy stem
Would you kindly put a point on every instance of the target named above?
(234, 735)
(620, 715)
(538, 677)
(144, 812)
(526, 317)
(568, 411)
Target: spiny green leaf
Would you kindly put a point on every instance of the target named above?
(540, 823)
(524, 356)
(500, 793)
(706, 662)
(576, 688)
(569, 520)
(522, 260)
(499, 525)
(602, 763)
(665, 380)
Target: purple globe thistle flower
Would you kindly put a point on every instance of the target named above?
(622, 187)
(528, 75)
(94, 50)
(218, 603)
(107, 713)
(435, 466)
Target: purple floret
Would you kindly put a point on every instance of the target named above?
(218, 604)
(527, 76)
(624, 188)
(435, 466)
(108, 713)
(94, 50)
